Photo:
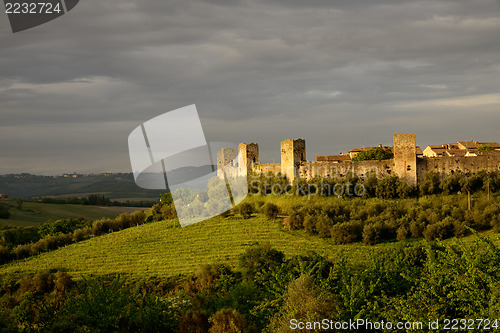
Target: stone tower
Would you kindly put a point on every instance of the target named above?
(225, 156)
(293, 152)
(405, 157)
(248, 156)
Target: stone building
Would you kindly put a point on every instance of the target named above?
(409, 162)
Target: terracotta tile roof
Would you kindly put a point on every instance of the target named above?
(485, 153)
(476, 144)
(456, 152)
(358, 150)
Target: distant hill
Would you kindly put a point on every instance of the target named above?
(34, 213)
(112, 185)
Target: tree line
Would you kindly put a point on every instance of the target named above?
(97, 200)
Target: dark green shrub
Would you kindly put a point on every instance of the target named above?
(460, 229)
(259, 258)
(62, 281)
(5, 255)
(271, 211)
(387, 188)
(168, 212)
(431, 184)
(440, 230)
(296, 221)
(25, 284)
(246, 210)
(101, 227)
(43, 283)
(81, 234)
(310, 224)
(22, 251)
(371, 233)
(417, 228)
(323, 226)
(403, 232)
(4, 212)
(227, 320)
(347, 232)
(375, 153)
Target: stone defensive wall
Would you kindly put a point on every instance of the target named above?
(446, 166)
(267, 168)
(405, 164)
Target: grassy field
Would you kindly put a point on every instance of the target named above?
(154, 250)
(34, 213)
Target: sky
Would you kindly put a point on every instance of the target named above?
(340, 74)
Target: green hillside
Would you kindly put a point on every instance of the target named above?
(156, 250)
(34, 213)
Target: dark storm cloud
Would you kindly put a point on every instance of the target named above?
(338, 73)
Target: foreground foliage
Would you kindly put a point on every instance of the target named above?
(265, 291)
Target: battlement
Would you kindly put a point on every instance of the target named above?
(408, 163)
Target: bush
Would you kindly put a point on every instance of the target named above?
(5, 255)
(4, 212)
(417, 229)
(440, 230)
(296, 221)
(246, 210)
(25, 284)
(387, 188)
(310, 224)
(375, 153)
(22, 251)
(168, 212)
(81, 234)
(371, 234)
(347, 232)
(258, 258)
(431, 184)
(271, 211)
(101, 227)
(62, 281)
(227, 320)
(403, 232)
(43, 283)
(323, 226)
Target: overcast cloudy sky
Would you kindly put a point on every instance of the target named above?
(340, 74)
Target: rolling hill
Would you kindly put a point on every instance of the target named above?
(34, 213)
(155, 250)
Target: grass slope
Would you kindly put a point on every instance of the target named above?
(155, 250)
(34, 213)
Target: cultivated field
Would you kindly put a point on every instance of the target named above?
(34, 213)
(155, 250)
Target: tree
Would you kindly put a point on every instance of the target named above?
(485, 148)
(271, 211)
(304, 301)
(4, 212)
(246, 210)
(62, 281)
(387, 188)
(227, 320)
(259, 258)
(431, 184)
(375, 153)
(19, 203)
